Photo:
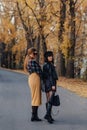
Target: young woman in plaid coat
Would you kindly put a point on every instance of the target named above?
(35, 74)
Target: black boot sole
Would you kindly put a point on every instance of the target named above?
(51, 122)
(35, 119)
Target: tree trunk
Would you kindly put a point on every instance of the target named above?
(29, 40)
(37, 46)
(61, 60)
(70, 68)
(70, 61)
(43, 49)
(61, 65)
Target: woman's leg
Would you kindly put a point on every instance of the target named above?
(48, 95)
(48, 108)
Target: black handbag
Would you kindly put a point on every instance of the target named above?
(55, 100)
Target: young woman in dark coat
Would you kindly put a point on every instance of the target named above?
(49, 77)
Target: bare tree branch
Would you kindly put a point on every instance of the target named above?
(75, 2)
(23, 23)
(33, 13)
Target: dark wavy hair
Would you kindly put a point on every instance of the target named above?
(47, 54)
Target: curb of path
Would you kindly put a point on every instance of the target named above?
(17, 71)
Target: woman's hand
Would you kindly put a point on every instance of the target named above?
(53, 88)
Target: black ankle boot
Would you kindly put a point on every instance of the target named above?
(34, 114)
(33, 118)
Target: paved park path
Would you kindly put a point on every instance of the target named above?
(15, 108)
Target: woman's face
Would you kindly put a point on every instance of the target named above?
(33, 55)
(50, 58)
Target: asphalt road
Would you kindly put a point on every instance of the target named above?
(15, 107)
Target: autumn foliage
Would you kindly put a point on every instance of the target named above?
(56, 25)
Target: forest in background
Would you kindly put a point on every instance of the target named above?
(57, 25)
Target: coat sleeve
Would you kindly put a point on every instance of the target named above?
(51, 76)
(45, 72)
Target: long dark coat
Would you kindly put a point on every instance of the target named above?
(49, 76)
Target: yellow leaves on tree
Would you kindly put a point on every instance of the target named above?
(20, 46)
(8, 31)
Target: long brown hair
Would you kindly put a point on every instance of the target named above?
(27, 58)
(30, 51)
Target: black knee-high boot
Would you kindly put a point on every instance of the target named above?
(35, 114)
(48, 113)
(51, 110)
